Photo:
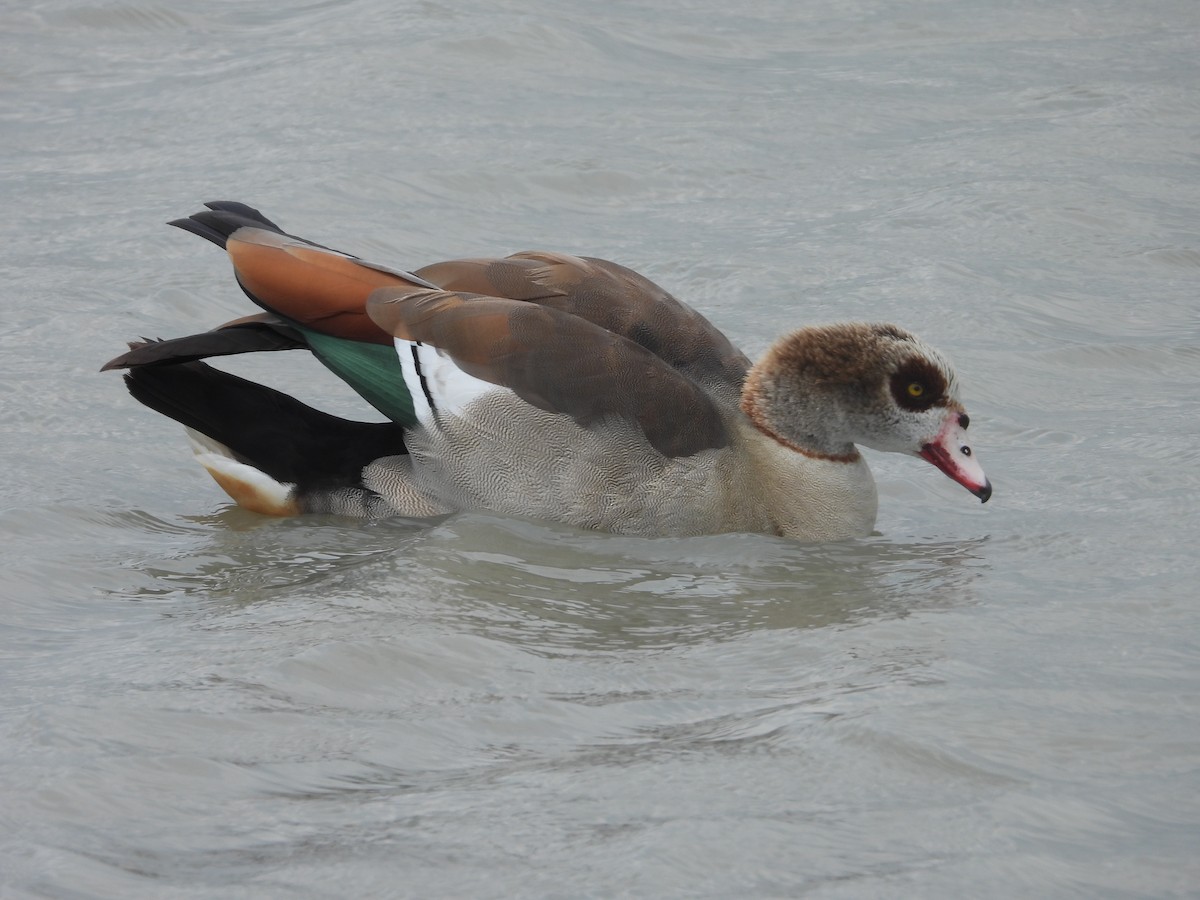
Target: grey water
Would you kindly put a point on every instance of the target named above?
(976, 701)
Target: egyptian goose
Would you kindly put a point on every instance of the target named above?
(544, 385)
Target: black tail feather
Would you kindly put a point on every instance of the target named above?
(241, 209)
(250, 337)
(267, 429)
(224, 217)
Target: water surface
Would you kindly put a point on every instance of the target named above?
(994, 700)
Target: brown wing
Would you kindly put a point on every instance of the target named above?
(557, 362)
(611, 296)
(326, 291)
(316, 288)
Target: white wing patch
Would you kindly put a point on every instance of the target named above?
(431, 375)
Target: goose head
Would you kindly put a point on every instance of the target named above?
(823, 389)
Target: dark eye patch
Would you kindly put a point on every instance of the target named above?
(928, 385)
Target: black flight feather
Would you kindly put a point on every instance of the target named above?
(277, 434)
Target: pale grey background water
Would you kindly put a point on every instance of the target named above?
(997, 701)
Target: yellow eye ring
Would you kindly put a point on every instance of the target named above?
(916, 389)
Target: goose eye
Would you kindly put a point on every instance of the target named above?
(917, 385)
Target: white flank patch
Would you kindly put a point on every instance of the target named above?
(451, 388)
(219, 461)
